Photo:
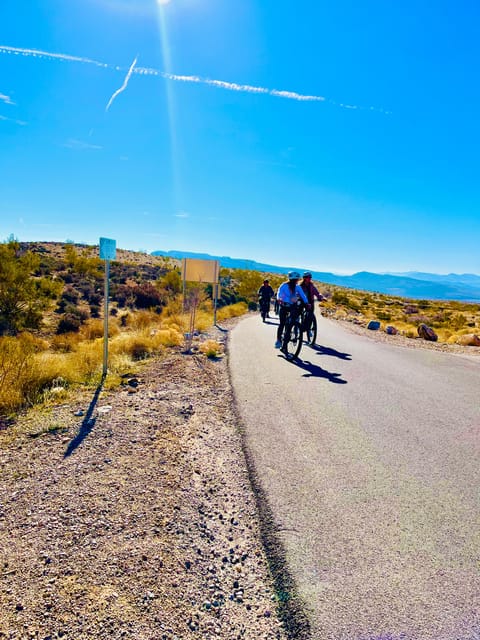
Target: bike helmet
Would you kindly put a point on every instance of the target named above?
(293, 275)
(307, 274)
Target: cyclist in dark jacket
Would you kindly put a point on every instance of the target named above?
(265, 294)
(311, 292)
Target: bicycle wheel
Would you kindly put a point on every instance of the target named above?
(311, 334)
(291, 346)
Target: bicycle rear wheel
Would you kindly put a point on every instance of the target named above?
(291, 347)
(311, 334)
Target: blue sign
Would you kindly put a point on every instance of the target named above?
(108, 249)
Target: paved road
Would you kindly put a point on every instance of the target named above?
(369, 457)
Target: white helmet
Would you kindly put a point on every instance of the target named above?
(293, 275)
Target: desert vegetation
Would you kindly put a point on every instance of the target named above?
(453, 322)
(51, 315)
(51, 318)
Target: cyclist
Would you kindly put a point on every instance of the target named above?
(265, 293)
(311, 292)
(288, 294)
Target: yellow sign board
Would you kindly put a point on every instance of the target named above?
(194, 270)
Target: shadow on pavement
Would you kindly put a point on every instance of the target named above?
(327, 351)
(87, 423)
(314, 371)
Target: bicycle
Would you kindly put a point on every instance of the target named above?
(292, 335)
(264, 305)
(309, 320)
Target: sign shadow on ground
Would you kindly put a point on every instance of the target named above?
(87, 424)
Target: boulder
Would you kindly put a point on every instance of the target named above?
(392, 331)
(373, 325)
(469, 340)
(427, 333)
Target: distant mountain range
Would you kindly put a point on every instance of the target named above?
(412, 284)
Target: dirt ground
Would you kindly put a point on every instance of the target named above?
(131, 514)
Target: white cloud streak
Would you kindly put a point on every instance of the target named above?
(124, 85)
(20, 123)
(6, 99)
(79, 145)
(220, 84)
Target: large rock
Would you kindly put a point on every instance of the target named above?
(427, 333)
(469, 340)
(373, 325)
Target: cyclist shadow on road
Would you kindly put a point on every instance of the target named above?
(314, 371)
(327, 351)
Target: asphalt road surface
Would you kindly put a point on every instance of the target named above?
(368, 454)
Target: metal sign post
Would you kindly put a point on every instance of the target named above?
(107, 253)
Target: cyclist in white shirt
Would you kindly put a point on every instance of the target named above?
(288, 294)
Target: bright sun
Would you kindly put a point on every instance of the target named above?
(163, 1)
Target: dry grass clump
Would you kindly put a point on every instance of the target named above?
(211, 348)
(34, 369)
(94, 328)
(232, 311)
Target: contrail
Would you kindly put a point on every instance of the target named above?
(36, 53)
(221, 84)
(124, 85)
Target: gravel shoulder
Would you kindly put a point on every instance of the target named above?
(410, 343)
(136, 520)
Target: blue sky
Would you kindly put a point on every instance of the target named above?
(368, 161)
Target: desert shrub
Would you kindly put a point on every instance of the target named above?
(341, 298)
(458, 321)
(123, 295)
(95, 311)
(64, 342)
(147, 296)
(94, 329)
(381, 315)
(22, 297)
(173, 309)
(211, 348)
(136, 346)
(86, 361)
(125, 319)
(22, 379)
(143, 319)
(410, 308)
(70, 323)
(70, 295)
(232, 311)
(252, 306)
(171, 283)
(168, 337)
